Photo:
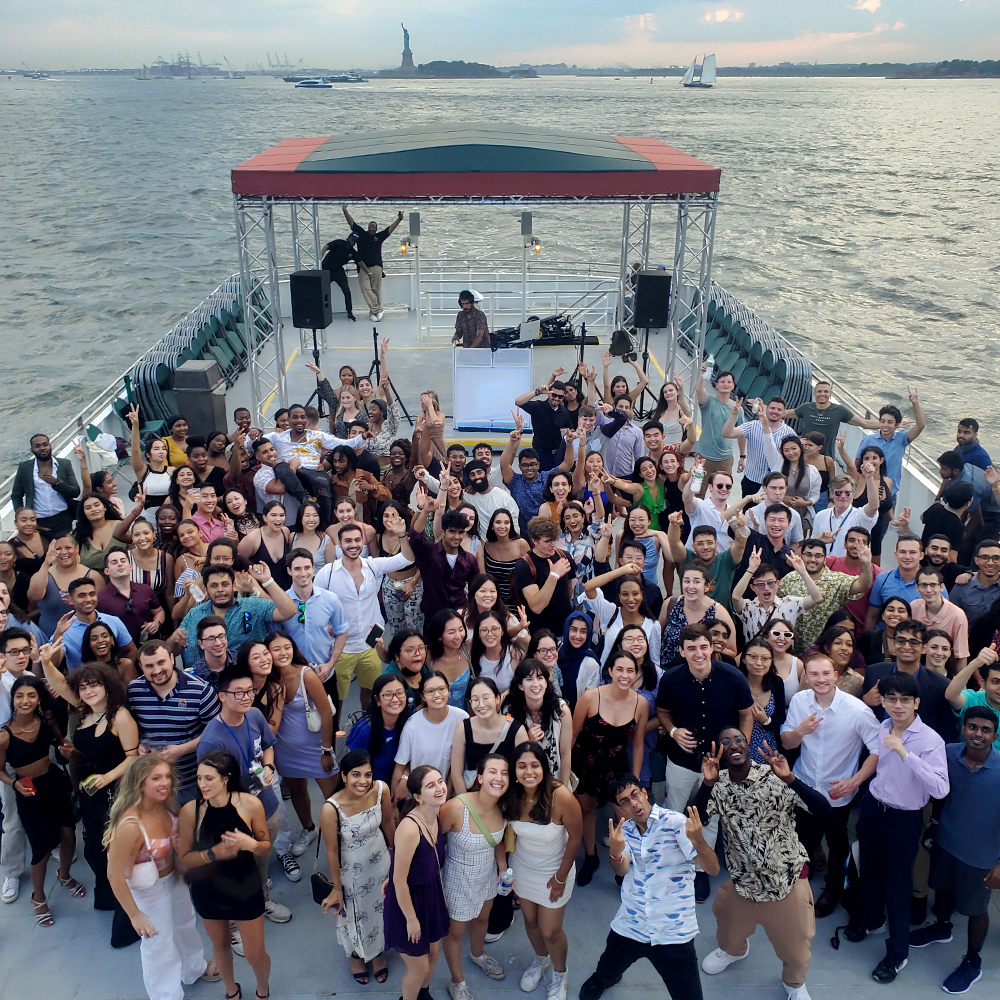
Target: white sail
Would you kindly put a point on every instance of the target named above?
(689, 75)
(708, 70)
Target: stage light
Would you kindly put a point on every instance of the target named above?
(536, 246)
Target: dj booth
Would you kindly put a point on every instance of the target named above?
(486, 383)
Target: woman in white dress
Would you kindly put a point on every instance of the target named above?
(359, 824)
(548, 826)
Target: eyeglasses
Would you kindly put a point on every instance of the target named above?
(214, 640)
(20, 651)
(733, 741)
(988, 558)
(302, 613)
(491, 631)
(783, 635)
(546, 651)
(240, 695)
(912, 641)
(766, 584)
(393, 696)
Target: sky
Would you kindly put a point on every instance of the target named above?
(365, 33)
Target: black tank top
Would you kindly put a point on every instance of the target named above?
(21, 753)
(278, 569)
(98, 754)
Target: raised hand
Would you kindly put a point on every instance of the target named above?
(779, 765)
(616, 839)
(795, 561)
(753, 563)
(992, 476)
(842, 440)
(676, 517)
(692, 828)
(631, 569)
(710, 764)
(864, 550)
(913, 395)
(260, 572)
(522, 616)
(606, 359)
(315, 369)
(81, 455)
(809, 724)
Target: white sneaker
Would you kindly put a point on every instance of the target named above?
(291, 867)
(797, 992)
(492, 938)
(277, 913)
(236, 939)
(303, 840)
(489, 965)
(11, 889)
(372, 315)
(532, 975)
(559, 985)
(380, 314)
(459, 991)
(718, 961)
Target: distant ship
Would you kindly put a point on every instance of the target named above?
(706, 78)
(342, 78)
(318, 83)
(144, 73)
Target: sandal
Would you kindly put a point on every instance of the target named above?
(211, 973)
(361, 978)
(238, 995)
(381, 975)
(43, 915)
(75, 889)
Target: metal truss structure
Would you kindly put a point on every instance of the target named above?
(259, 270)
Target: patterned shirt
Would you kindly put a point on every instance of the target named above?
(754, 617)
(246, 618)
(835, 588)
(528, 497)
(763, 853)
(658, 892)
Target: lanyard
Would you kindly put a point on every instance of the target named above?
(239, 746)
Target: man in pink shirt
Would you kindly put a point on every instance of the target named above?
(935, 611)
(851, 565)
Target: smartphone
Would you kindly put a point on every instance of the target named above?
(374, 633)
(28, 785)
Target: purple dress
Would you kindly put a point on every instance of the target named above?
(427, 894)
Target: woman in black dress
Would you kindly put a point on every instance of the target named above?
(220, 834)
(43, 790)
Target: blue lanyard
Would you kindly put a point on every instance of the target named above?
(246, 760)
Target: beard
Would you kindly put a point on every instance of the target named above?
(479, 485)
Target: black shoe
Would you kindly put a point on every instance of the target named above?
(702, 887)
(858, 932)
(423, 994)
(354, 319)
(918, 910)
(592, 988)
(818, 862)
(887, 970)
(939, 933)
(591, 863)
(961, 980)
(826, 904)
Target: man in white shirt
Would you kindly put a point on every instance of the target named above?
(713, 509)
(774, 489)
(487, 499)
(832, 524)
(357, 582)
(830, 728)
(268, 487)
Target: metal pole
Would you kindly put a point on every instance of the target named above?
(524, 280)
(246, 290)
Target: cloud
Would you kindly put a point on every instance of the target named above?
(640, 24)
(869, 5)
(724, 14)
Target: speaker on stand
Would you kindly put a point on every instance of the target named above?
(311, 309)
(651, 312)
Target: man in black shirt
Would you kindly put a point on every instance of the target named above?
(548, 417)
(335, 255)
(370, 242)
(545, 578)
(945, 516)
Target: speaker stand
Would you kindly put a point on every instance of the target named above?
(376, 370)
(319, 398)
(639, 412)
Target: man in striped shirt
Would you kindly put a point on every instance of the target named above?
(171, 709)
(770, 423)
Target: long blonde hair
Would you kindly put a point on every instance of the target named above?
(129, 794)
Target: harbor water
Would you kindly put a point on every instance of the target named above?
(862, 217)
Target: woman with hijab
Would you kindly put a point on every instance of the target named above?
(577, 661)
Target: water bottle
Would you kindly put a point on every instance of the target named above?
(506, 883)
(697, 478)
(197, 592)
(709, 367)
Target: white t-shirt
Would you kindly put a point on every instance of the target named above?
(261, 478)
(708, 514)
(426, 742)
(840, 524)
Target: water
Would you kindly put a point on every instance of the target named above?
(860, 216)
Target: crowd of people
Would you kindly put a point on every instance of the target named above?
(588, 629)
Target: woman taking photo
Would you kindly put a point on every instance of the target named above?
(378, 731)
(406, 658)
(577, 659)
(633, 610)
(606, 720)
(415, 915)
(103, 743)
(694, 606)
(493, 653)
(48, 587)
(445, 634)
(402, 589)
(96, 521)
(768, 690)
(548, 826)
(306, 534)
(474, 824)
(879, 645)
(532, 701)
(235, 505)
(219, 837)
(502, 548)
(780, 636)
(187, 567)
(270, 544)
(43, 790)
(184, 491)
(358, 825)
(142, 870)
(300, 753)
(485, 731)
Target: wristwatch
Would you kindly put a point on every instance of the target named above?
(210, 854)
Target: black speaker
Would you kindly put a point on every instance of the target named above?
(652, 299)
(310, 290)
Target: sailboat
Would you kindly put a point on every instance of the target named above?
(706, 78)
(144, 73)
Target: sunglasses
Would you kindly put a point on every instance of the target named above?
(302, 613)
(843, 493)
(723, 486)
(247, 623)
(783, 635)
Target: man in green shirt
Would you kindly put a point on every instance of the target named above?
(961, 697)
(711, 445)
(826, 417)
(720, 566)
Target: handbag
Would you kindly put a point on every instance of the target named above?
(490, 839)
(145, 874)
(510, 839)
(321, 884)
(313, 720)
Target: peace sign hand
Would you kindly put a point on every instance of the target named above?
(616, 839)
(779, 765)
(753, 563)
(710, 765)
(692, 828)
